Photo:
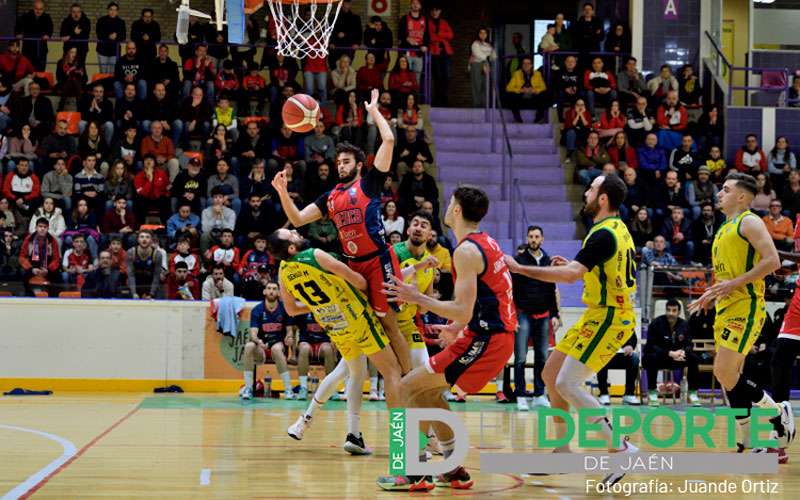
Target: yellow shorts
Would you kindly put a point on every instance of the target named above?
(410, 330)
(738, 325)
(598, 335)
(364, 336)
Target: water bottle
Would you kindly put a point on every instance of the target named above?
(313, 383)
(684, 390)
(267, 387)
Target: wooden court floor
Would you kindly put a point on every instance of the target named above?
(212, 446)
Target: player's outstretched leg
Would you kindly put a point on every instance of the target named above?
(326, 388)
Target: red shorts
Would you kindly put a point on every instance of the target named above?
(791, 321)
(473, 360)
(377, 270)
(315, 348)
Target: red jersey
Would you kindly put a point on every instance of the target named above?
(494, 310)
(356, 211)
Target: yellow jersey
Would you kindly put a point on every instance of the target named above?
(733, 255)
(610, 282)
(333, 302)
(424, 278)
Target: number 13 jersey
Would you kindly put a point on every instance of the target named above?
(608, 252)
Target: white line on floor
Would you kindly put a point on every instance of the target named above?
(69, 451)
(205, 477)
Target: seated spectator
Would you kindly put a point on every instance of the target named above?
(676, 230)
(630, 84)
(764, 195)
(628, 360)
(251, 145)
(184, 224)
(181, 285)
(576, 127)
(416, 187)
(162, 109)
(22, 145)
(253, 264)
(716, 165)
(84, 222)
(658, 256)
(254, 90)
(96, 108)
(104, 282)
(130, 68)
(611, 121)
(8, 222)
(220, 147)
(119, 221)
(226, 82)
(183, 254)
(128, 109)
(199, 72)
(394, 238)
(668, 195)
(152, 191)
(282, 72)
(70, 76)
(780, 228)
(343, 79)
(703, 230)
(164, 71)
(5, 110)
(750, 158)
(368, 77)
(411, 150)
(323, 234)
(780, 162)
(196, 114)
(225, 115)
(350, 121)
(145, 266)
(119, 183)
(287, 147)
(226, 182)
(402, 80)
(162, 149)
(689, 91)
(652, 160)
(599, 84)
(77, 262)
(315, 77)
(57, 185)
(591, 158)
(217, 285)
(685, 159)
(17, 70)
(119, 257)
(389, 192)
(526, 90)
(257, 217)
(661, 85)
(91, 143)
(225, 254)
(215, 218)
(669, 346)
(567, 85)
(635, 195)
(642, 230)
(710, 128)
(320, 147)
(392, 220)
(639, 123)
(794, 93)
(621, 154)
(22, 189)
(257, 184)
(790, 197)
(190, 187)
(441, 253)
(35, 110)
(672, 119)
(701, 191)
(10, 269)
(39, 258)
(54, 217)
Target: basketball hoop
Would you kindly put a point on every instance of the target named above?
(304, 37)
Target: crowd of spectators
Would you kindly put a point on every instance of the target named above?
(150, 177)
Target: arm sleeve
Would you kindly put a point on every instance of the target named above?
(322, 203)
(372, 183)
(599, 248)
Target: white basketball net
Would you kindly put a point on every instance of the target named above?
(298, 37)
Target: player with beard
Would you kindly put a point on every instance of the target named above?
(606, 263)
(354, 206)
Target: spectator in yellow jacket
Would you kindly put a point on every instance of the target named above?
(526, 90)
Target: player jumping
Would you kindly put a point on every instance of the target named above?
(743, 254)
(480, 338)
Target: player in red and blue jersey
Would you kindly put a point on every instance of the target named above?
(354, 206)
(478, 341)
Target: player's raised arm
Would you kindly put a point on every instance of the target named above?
(340, 269)
(293, 306)
(383, 158)
(297, 217)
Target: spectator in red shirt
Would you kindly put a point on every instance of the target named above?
(750, 158)
(22, 188)
(39, 258)
(577, 125)
(161, 148)
(441, 36)
(152, 190)
(253, 91)
(77, 262)
(413, 34)
(226, 254)
(315, 76)
(612, 121)
(181, 285)
(119, 257)
(600, 85)
(119, 221)
(183, 254)
(350, 121)
(282, 71)
(672, 119)
(226, 80)
(402, 81)
(199, 71)
(16, 66)
(368, 77)
(621, 153)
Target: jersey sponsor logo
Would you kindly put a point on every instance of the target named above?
(348, 217)
(586, 333)
(725, 334)
(620, 300)
(272, 327)
(473, 352)
(620, 335)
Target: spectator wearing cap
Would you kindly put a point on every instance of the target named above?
(152, 190)
(39, 258)
(110, 32)
(346, 36)
(161, 148)
(378, 38)
(189, 187)
(181, 285)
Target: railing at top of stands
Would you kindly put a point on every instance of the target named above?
(517, 198)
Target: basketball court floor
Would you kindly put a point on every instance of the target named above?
(74, 445)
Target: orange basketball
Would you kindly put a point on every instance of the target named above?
(301, 113)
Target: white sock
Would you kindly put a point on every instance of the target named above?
(331, 382)
(744, 431)
(314, 406)
(768, 402)
(287, 382)
(358, 373)
(373, 384)
(353, 423)
(248, 378)
(303, 381)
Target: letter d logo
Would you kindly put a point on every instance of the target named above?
(414, 416)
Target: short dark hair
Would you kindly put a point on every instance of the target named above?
(630, 58)
(348, 148)
(42, 220)
(184, 203)
(674, 303)
(743, 181)
(146, 10)
(535, 228)
(754, 136)
(119, 196)
(665, 66)
(181, 265)
(259, 236)
(473, 202)
(227, 231)
(217, 190)
(277, 246)
(550, 25)
(112, 4)
(614, 188)
(217, 266)
(422, 215)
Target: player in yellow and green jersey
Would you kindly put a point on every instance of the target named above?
(743, 254)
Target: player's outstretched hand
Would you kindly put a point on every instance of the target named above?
(430, 262)
(280, 183)
(398, 291)
(558, 261)
(447, 333)
(373, 104)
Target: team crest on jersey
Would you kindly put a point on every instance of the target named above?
(352, 248)
(353, 195)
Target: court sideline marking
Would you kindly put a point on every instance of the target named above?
(68, 453)
(42, 481)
